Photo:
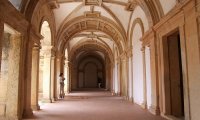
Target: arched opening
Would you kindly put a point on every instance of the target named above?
(90, 76)
(138, 75)
(91, 72)
(116, 75)
(88, 54)
(45, 64)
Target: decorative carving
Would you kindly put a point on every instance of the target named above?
(53, 4)
(131, 5)
(92, 24)
(92, 14)
(93, 2)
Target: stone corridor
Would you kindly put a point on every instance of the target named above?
(98, 105)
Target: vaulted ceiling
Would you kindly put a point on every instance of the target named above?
(121, 13)
(107, 22)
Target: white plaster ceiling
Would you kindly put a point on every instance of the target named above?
(83, 37)
(167, 5)
(115, 10)
(63, 11)
(117, 7)
(120, 12)
(16, 3)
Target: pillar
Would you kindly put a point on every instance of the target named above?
(144, 105)
(2, 105)
(154, 108)
(107, 75)
(124, 77)
(13, 93)
(57, 73)
(70, 76)
(66, 75)
(118, 76)
(53, 77)
(130, 79)
(35, 78)
(1, 36)
(27, 110)
(113, 81)
(47, 74)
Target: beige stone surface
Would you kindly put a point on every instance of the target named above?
(105, 28)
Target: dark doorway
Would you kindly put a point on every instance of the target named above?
(173, 76)
(90, 72)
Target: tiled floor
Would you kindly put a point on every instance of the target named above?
(92, 106)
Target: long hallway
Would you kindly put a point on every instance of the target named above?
(98, 105)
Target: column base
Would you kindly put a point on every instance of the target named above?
(47, 100)
(131, 99)
(113, 93)
(154, 110)
(144, 105)
(118, 94)
(54, 99)
(27, 113)
(126, 98)
(35, 107)
(2, 109)
(10, 118)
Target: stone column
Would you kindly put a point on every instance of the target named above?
(154, 108)
(124, 77)
(144, 105)
(118, 78)
(113, 80)
(1, 37)
(47, 75)
(27, 110)
(107, 75)
(70, 76)
(66, 74)
(12, 106)
(53, 77)
(130, 83)
(35, 78)
(57, 73)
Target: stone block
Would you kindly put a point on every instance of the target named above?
(2, 109)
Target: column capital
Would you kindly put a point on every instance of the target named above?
(143, 49)
(34, 36)
(36, 47)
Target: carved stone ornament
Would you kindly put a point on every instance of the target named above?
(131, 5)
(93, 2)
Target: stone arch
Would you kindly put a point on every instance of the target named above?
(136, 21)
(46, 33)
(91, 46)
(39, 14)
(147, 6)
(82, 23)
(137, 66)
(83, 62)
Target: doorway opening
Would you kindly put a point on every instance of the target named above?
(91, 73)
(174, 98)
